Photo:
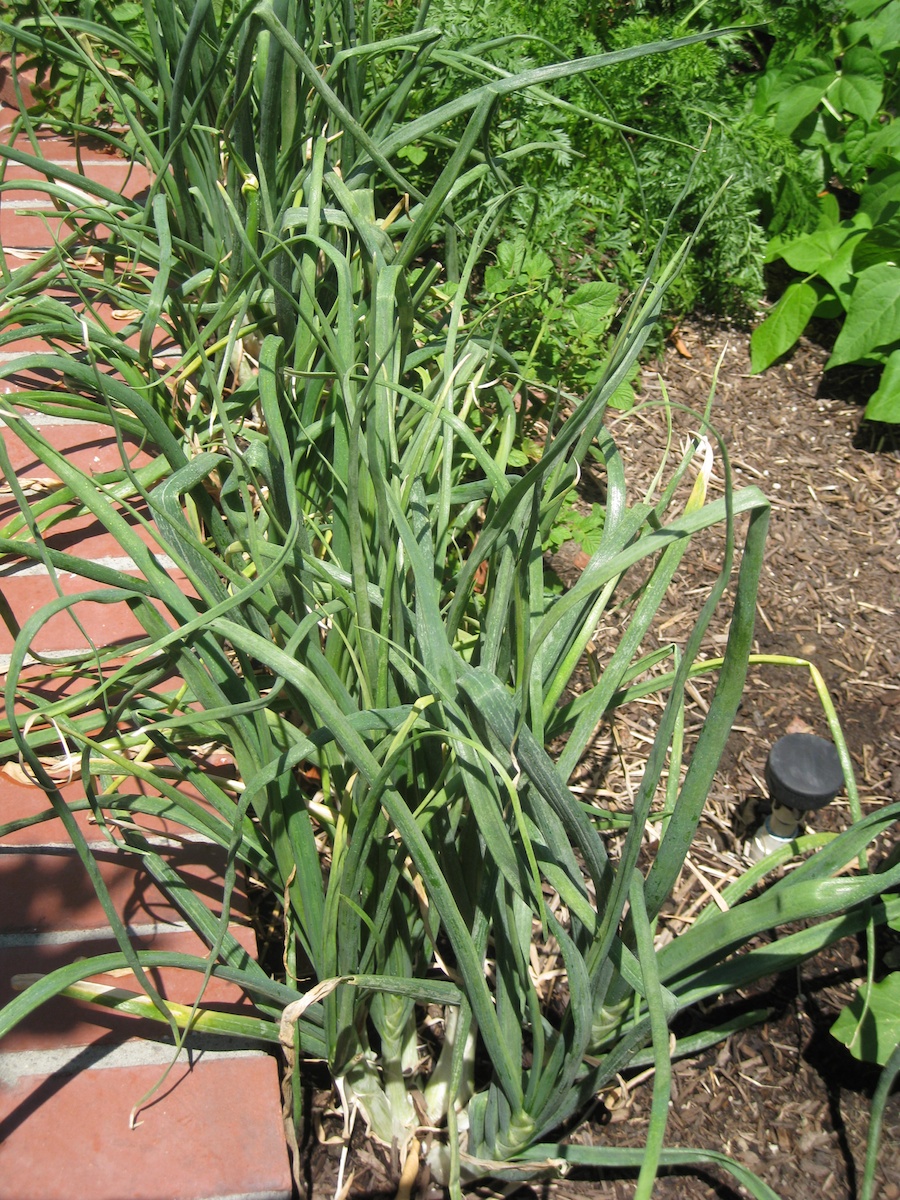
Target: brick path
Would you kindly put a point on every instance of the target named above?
(71, 1074)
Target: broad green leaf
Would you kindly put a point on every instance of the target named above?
(871, 147)
(880, 29)
(873, 319)
(538, 266)
(598, 294)
(414, 154)
(775, 248)
(765, 91)
(887, 138)
(510, 256)
(840, 273)
(863, 8)
(880, 245)
(497, 281)
(830, 211)
(622, 398)
(860, 88)
(831, 308)
(880, 199)
(870, 1024)
(589, 321)
(523, 263)
(856, 147)
(884, 404)
(827, 252)
(798, 90)
(784, 324)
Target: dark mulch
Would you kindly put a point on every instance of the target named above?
(784, 1098)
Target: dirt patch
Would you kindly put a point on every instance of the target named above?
(783, 1098)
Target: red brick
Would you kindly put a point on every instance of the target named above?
(25, 80)
(84, 537)
(106, 624)
(53, 681)
(114, 322)
(31, 217)
(24, 229)
(87, 445)
(52, 891)
(212, 1131)
(89, 157)
(115, 315)
(20, 347)
(33, 223)
(22, 800)
(66, 1022)
(19, 379)
(50, 142)
(91, 448)
(128, 179)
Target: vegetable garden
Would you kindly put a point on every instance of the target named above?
(404, 334)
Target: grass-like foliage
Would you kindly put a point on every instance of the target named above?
(338, 576)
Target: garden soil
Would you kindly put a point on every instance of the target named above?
(784, 1098)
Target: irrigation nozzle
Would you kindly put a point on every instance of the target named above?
(803, 774)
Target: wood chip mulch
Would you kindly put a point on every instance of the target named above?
(786, 1099)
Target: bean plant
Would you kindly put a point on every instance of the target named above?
(336, 567)
(838, 101)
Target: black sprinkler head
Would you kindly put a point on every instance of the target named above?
(803, 772)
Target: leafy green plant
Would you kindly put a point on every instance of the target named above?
(839, 106)
(327, 436)
(870, 1028)
(612, 152)
(567, 333)
(67, 86)
(870, 1025)
(575, 525)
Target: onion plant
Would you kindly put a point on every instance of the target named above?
(338, 578)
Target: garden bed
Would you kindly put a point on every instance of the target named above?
(335, 623)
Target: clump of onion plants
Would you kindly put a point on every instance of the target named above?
(338, 577)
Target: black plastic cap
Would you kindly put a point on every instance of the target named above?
(803, 772)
